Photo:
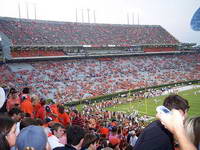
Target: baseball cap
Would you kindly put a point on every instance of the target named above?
(31, 136)
(132, 132)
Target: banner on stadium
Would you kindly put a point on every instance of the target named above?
(111, 45)
(86, 45)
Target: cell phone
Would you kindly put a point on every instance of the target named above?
(163, 109)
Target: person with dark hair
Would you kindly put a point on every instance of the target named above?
(114, 138)
(26, 105)
(25, 122)
(57, 131)
(75, 137)
(63, 117)
(7, 133)
(39, 121)
(77, 119)
(155, 136)
(13, 100)
(90, 142)
(26, 90)
(132, 138)
(176, 102)
(113, 133)
(15, 114)
(103, 143)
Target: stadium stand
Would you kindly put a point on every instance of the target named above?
(159, 49)
(90, 77)
(33, 32)
(81, 78)
(96, 73)
(36, 53)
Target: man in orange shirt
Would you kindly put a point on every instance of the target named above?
(63, 116)
(26, 106)
(52, 112)
(40, 113)
(47, 112)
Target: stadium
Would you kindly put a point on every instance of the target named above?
(81, 60)
(100, 68)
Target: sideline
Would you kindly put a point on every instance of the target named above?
(180, 89)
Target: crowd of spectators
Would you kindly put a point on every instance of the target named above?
(51, 125)
(36, 53)
(30, 113)
(34, 124)
(78, 79)
(33, 32)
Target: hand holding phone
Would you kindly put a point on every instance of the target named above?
(172, 120)
(163, 110)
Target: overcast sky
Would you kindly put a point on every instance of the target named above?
(173, 15)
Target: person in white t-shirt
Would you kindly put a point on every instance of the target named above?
(133, 138)
(58, 131)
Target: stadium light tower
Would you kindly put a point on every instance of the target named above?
(88, 10)
(19, 10)
(76, 15)
(27, 10)
(94, 16)
(138, 18)
(127, 18)
(82, 11)
(133, 18)
(35, 10)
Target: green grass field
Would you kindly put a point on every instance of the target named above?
(152, 103)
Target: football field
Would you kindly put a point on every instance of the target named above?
(148, 106)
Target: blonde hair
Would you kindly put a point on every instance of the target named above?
(34, 97)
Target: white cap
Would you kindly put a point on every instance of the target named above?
(132, 132)
(2, 96)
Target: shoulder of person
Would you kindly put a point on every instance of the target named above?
(155, 129)
(66, 147)
(60, 148)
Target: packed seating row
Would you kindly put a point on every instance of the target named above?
(77, 79)
(36, 53)
(33, 32)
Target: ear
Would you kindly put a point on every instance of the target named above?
(184, 114)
